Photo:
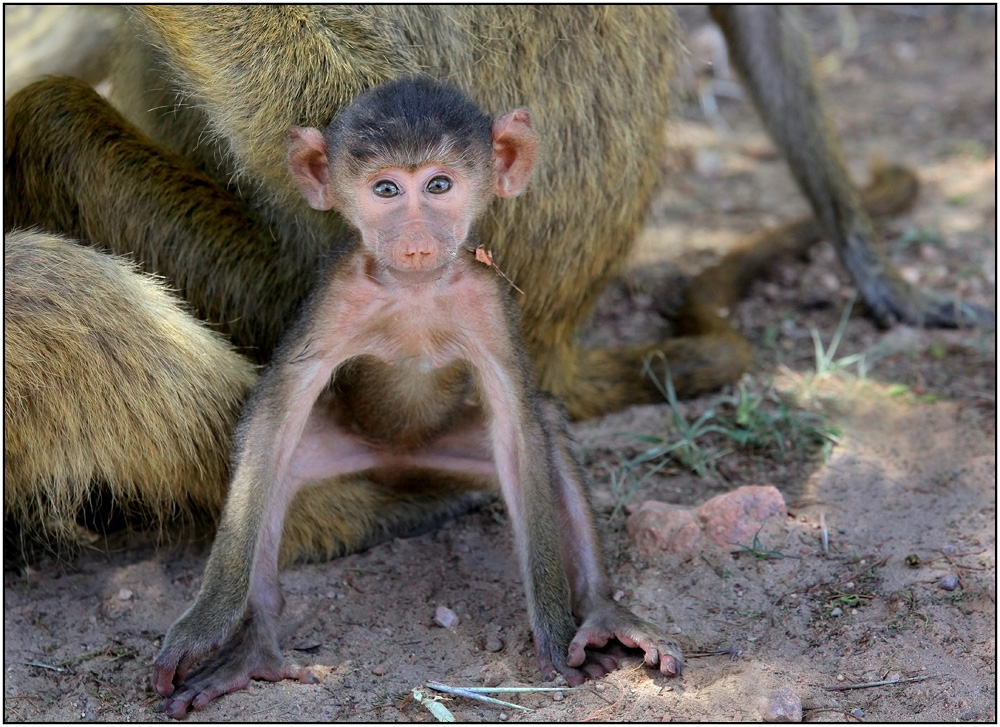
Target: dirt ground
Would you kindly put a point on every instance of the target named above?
(907, 492)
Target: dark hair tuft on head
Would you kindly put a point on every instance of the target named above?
(403, 120)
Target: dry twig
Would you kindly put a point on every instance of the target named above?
(881, 683)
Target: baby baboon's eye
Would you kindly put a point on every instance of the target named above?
(385, 188)
(439, 185)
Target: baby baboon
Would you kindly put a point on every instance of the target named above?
(406, 363)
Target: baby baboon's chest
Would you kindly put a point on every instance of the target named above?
(402, 404)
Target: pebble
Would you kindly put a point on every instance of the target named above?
(949, 582)
(599, 687)
(492, 675)
(857, 712)
(782, 705)
(904, 51)
(708, 164)
(503, 717)
(840, 677)
(494, 643)
(619, 595)
(829, 281)
(380, 671)
(674, 630)
(836, 611)
(969, 715)
(557, 696)
(126, 595)
(444, 616)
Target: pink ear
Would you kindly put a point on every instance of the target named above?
(309, 165)
(515, 144)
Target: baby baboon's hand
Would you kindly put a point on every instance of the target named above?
(251, 652)
(186, 641)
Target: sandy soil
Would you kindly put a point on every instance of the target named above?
(908, 493)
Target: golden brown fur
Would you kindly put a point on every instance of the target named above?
(106, 380)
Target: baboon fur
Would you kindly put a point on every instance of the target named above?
(111, 379)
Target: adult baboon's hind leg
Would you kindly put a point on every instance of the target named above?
(108, 382)
(707, 352)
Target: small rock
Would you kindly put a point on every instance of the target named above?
(657, 526)
(906, 52)
(771, 291)
(761, 148)
(735, 517)
(708, 164)
(124, 595)
(783, 705)
(857, 712)
(444, 616)
(969, 715)
(674, 630)
(830, 282)
(949, 582)
(494, 643)
(836, 611)
(557, 696)
(619, 595)
(503, 717)
(493, 675)
(840, 677)
(599, 687)
(380, 671)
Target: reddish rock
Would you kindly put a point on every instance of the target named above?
(783, 705)
(657, 526)
(735, 517)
